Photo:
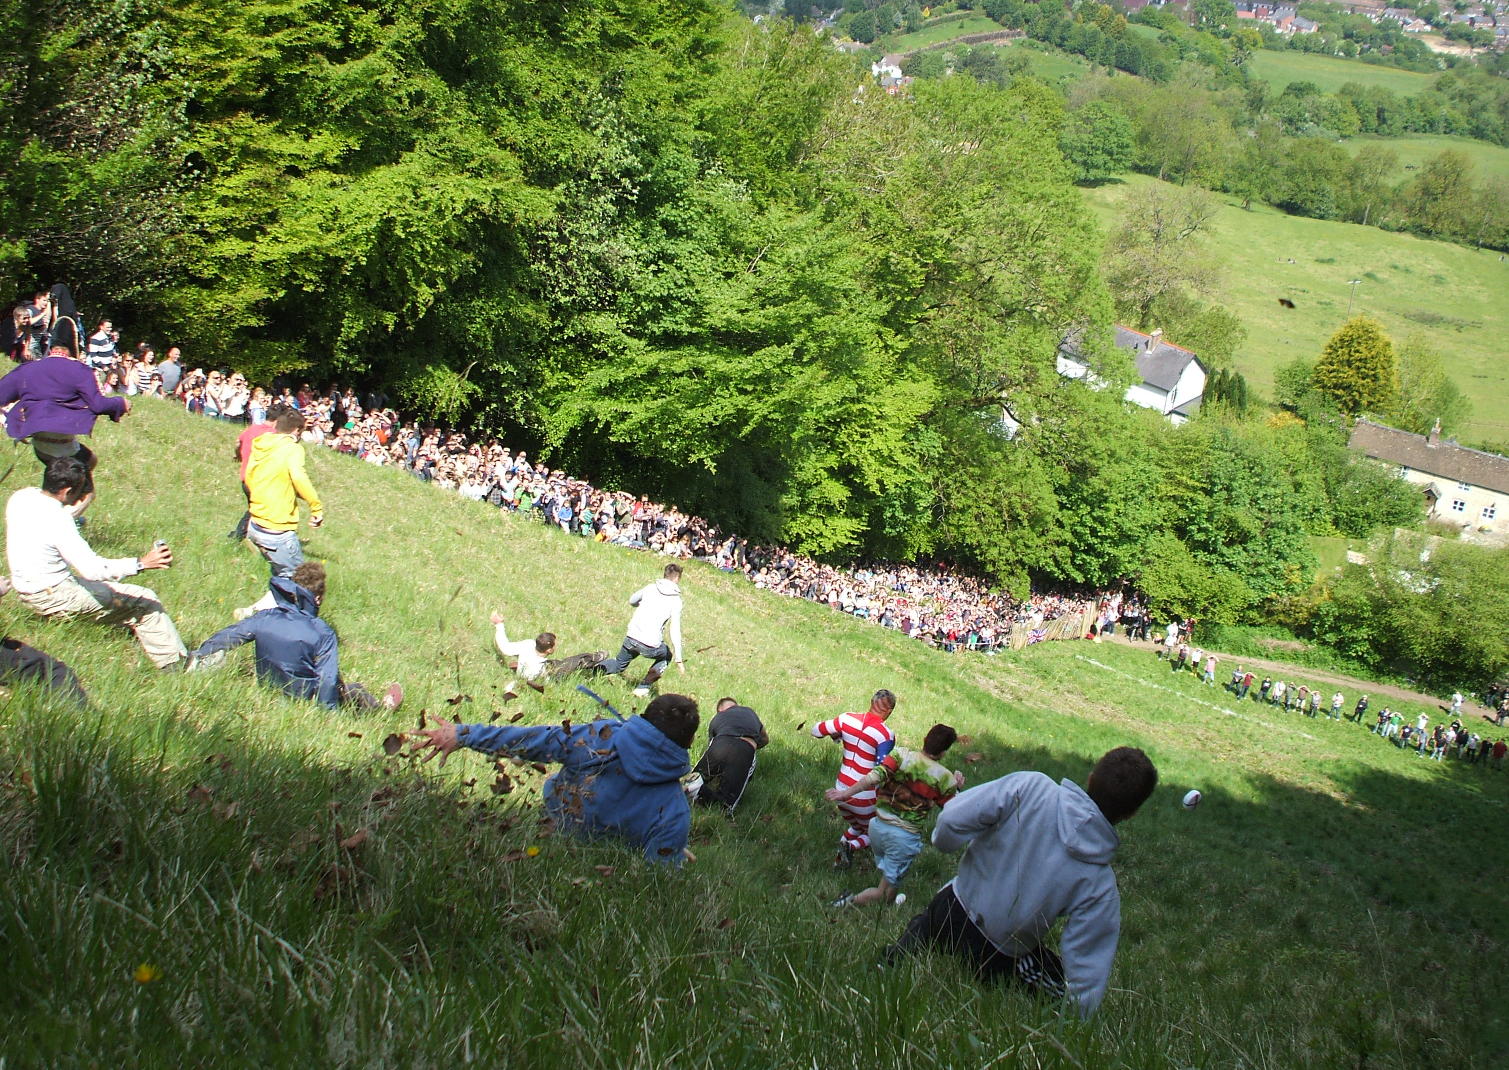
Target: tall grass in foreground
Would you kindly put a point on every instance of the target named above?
(202, 872)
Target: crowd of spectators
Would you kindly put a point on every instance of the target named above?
(940, 606)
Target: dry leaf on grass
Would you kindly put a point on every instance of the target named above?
(353, 735)
(974, 756)
(355, 840)
(503, 785)
(201, 794)
(392, 744)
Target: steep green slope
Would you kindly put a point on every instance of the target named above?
(1329, 903)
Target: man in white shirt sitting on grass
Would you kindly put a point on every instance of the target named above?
(57, 574)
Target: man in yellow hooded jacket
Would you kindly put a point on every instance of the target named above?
(275, 481)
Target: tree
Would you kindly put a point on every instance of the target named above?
(1438, 200)
(1426, 392)
(1157, 251)
(1097, 142)
(1357, 369)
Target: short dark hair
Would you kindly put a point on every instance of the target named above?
(939, 738)
(274, 411)
(676, 716)
(1121, 782)
(292, 420)
(544, 643)
(725, 702)
(64, 473)
(672, 571)
(311, 576)
(884, 697)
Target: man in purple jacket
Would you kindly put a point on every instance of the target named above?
(55, 400)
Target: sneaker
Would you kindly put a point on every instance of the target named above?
(393, 697)
(641, 691)
(842, 901)
(845, 857)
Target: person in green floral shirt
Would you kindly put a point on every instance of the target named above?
(909, 785)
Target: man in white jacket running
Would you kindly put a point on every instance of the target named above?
(656, 605)
(1036, 852)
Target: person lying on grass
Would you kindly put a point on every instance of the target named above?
(908, 786)
(19, 662)
(533, 663)
(617, 777)
(1036, 851)
(296, 651)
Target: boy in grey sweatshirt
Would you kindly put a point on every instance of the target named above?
(1036, 851)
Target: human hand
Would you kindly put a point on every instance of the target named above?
(958, 779)
(128, 406)
(441, 740)
(686, 853)
(495, 617)
(316, 519)
(837, 794)
(157, 557)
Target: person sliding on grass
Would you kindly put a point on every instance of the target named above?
(656, 605)
(729, 761)
(866, 740)
(532, 661)
(909, 786)
(1036, 851)
(617, 777)
(296, 651)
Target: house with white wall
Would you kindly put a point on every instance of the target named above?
(1172, 378)
(1464, 487)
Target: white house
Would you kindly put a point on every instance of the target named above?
(1172, 377)
(1465, 487)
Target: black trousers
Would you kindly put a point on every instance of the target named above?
(946, 925)
(21, 662)
(726, 767)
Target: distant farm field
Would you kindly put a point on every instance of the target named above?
(943, 31)
(1415, 150)
(1451, 296)
(1330, 73)
(1052, 65)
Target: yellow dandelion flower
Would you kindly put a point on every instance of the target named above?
(531, 851)
(146, 973)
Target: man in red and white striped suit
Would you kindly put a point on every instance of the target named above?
(866, 741)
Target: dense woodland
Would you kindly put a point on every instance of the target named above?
(690, 255)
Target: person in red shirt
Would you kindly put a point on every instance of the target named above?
(866, 741)
(243, 457)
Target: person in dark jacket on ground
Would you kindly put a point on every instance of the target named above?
(617, 777)
(296, 651)
(728, 764)
(19, 662)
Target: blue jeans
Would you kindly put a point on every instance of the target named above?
(282, 549)
(633, 648)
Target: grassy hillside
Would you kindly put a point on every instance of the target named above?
(1450, 295)
(1489, 161)
(178, 892)
(942, 31)
(1330, 73)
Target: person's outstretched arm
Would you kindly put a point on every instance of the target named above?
(229, 637)
(974, 811)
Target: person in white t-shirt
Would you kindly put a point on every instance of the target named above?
(531, 657)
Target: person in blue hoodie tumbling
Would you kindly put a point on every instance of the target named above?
(296, 651)
(617, 777)
(1036, 851)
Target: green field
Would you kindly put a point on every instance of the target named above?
(201, 872)
(1331, 73)
(1451, 296)
(1489, 161)
(1052, 64)
(942, 31)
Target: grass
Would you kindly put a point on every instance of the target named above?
(1415, 150)
(1329, 903)
(943, 31)
(1447, 294)
(1050, 64)
(1331, 73)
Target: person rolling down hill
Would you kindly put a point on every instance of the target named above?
(617, 777)
(728, 764)
(909, 786)
(866, 741)
(1036, 851)
(533, 663)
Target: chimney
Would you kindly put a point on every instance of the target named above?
(1434, 437)
(1155, 337)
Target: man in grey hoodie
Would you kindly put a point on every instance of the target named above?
(1036, 852)
(655, 606)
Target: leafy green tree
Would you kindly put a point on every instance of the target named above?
(1158, 251)
(1439, 199)
(1357, 370)
(1427, 393)
(1097, 142)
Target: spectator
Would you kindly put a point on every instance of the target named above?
(56, 574)
(101, 346)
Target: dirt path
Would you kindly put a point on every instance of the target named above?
(1351, 686)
